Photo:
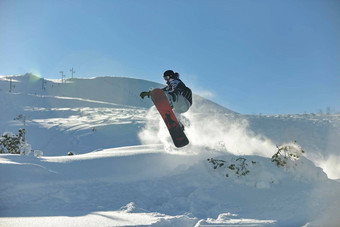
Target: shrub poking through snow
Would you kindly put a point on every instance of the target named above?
(216, 162)
(14, 144)
(238, 166)
(286, 153)
(288, 157)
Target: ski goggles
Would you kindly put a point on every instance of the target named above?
(166, 77)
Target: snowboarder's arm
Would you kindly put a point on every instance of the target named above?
(167, 87)
(173, 84)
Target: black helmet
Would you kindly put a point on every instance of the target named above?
(170, 74)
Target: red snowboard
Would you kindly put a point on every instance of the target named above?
(162, 104)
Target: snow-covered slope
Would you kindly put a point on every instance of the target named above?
(86, 114)
(127, 172)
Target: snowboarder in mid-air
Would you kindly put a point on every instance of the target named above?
(179, 95)
(175, 98)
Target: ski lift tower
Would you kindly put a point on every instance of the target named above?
(62, 76)
(72, 72)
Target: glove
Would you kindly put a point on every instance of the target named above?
(145, 93)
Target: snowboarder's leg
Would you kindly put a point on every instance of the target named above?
(170, 98)
(179, 106)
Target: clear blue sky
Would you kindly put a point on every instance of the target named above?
(251, 56)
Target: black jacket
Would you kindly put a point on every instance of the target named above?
(176, 86)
